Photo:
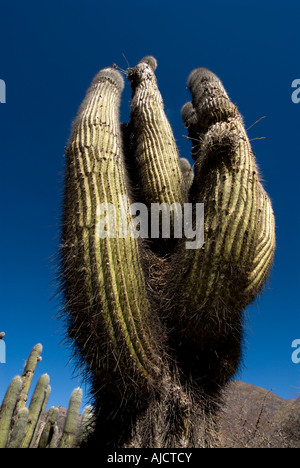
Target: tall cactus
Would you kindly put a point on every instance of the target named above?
(158, 326)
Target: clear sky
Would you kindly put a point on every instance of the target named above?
(49, 53)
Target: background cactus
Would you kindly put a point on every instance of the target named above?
(158, 327)
(33, 426)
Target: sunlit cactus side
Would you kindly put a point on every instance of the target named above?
(36, 408)
(157, 326)
(19, 429)
(110, 319)
(154, 152)
(27, 375)
(71, 421)
(32, 426)
(7, 409)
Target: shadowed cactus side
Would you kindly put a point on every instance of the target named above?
(32, 426)
(157, 327)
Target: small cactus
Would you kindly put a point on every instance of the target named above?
(33, 426)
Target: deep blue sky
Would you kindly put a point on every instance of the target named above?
(49, 53)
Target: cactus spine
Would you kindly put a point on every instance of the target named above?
(157, 326)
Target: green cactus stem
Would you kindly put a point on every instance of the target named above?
(187, 173)
(55, 437)
(154, 149)
(7, 408)
(27, 375)
(228, 272)
(48, 430)
(19, 429)
(36, 408)
(71, 423)
(110, 314)
(86, 425)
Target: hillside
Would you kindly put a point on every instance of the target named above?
(255, 417)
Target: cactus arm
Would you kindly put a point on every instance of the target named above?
(55, 437)
(225, 167)
(27, 375)
(37, 404)
(155, 152)
(228, 272)
(39, 425)
(19, 429)
(187, 173)
(110, 313)
(47, 432)
(70, 427)
(7, 409)
(86, 425)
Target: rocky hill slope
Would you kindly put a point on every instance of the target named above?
(255, 417)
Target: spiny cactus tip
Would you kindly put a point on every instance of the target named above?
(110, 74)
(201, 75)
(188, 113)
(17, 378)
(38, 347)
(184, 164)
(151, 61)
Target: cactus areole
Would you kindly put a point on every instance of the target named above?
(157, 326)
